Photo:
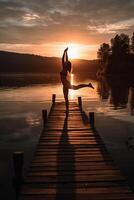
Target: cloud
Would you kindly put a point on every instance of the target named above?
(77, 12)
(113, 28)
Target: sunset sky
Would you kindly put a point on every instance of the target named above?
(46, 27)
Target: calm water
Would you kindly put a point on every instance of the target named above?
(21, 125)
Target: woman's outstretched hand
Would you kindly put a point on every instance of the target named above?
(66, 49)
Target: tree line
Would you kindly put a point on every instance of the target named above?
(116, 60)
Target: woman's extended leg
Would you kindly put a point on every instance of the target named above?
(65, 92)
(76, 87)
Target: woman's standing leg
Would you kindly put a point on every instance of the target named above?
(65, 91)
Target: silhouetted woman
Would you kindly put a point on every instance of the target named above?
(66, 67)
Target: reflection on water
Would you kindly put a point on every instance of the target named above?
(40, 93)
(104, 99)
(30, 100)
(103, 90)
(118, 93)
(72, 92)
(32, 119)
(43, 93)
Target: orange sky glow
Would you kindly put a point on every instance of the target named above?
(76, 50)
(47, 27)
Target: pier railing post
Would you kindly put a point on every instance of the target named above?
(80, 102)
(53, 98)
(44, 116)
(91, 118)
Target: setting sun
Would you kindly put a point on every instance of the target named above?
(73, 51)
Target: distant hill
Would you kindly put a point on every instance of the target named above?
(11, 62)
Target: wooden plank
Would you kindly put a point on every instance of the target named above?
(115, 183)
(99, 190)
(70, 172)
(81, 197)
(79, 166)
(68, 179)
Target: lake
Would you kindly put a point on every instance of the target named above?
(21, 126)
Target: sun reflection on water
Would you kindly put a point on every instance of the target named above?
(72, 92)
(86, 93)
(32, 119)
(43, 92)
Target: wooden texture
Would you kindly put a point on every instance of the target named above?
(71, 162)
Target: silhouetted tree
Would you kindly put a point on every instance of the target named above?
(120, 45)
(104, 52)
(119, 70)
(103, 55)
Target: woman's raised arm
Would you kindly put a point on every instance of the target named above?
(64, 57)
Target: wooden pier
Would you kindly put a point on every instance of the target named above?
(71, 161)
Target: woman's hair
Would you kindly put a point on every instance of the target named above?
(68, 66)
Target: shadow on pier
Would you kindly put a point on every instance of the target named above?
(90, 120)
(65, 166)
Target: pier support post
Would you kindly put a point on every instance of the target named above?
(44, 116)
(80, 102)
(18, 165)
(18, 157)
(91, 118)
(53, 98)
